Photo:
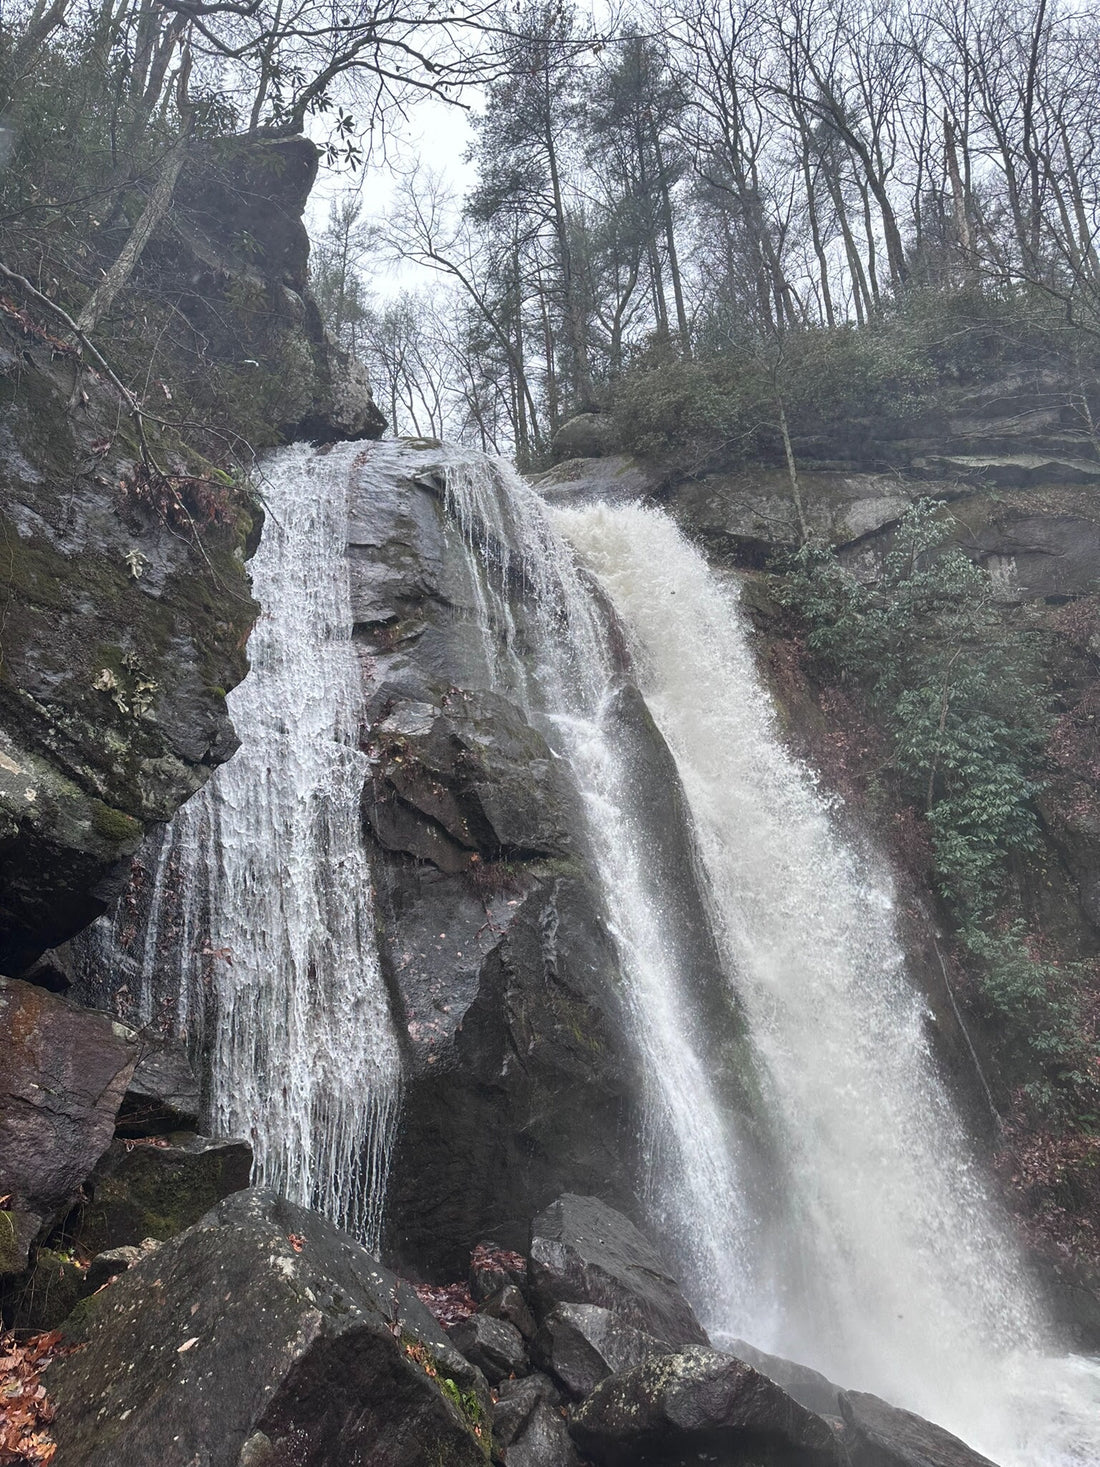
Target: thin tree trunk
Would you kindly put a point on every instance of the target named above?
(157, 206)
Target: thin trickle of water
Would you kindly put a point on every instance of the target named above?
(905, 1279)
(271, 893)
(560, 664)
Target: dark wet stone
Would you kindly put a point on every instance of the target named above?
(508, 1303)
(544, 1440)
(584, 1252)
(264, 1335)
(113, 1261)
(808, 1387)
(879, 1435)
(672, 1408)
(164, 1093)
(582, 1344)
(493, 1345)
(516, 1402)
(63, 1072)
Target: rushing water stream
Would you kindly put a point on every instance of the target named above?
(568, 682)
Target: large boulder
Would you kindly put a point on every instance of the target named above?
(672, 1408)
(584, 1252)
(63, 1073)
(154, 1188)
(616, 478)
(587, 435)
(517, 1082)
(582, 1344)
(264, 1335)
(880, 1435)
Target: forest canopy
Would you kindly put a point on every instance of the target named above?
(723, 174)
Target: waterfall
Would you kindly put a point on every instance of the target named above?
(878, 1253)
(903, 1278)
(561, 665)
(265, 880)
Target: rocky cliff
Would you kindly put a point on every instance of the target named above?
(125, 600)
(126, 516)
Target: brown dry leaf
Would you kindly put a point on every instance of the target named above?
(24, 1407)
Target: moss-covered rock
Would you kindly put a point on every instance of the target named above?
(117, 627)
(48, 1293)
(154, 1189)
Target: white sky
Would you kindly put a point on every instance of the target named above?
(437, 136)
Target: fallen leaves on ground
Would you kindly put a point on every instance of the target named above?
(486, 1259)
(450, 1303)
(25, 1411)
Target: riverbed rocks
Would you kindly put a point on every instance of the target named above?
(63, 1073)
(675, 1408)
(877, 1434)
(584, 1252)
(263, 1334)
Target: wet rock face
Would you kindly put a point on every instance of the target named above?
(517, 1085)
(584, 1252)
(238, 235)
(879, 1435)
(63, 1073)
(264, 1335)
(517, 1080)
(464, 782)
(123, 633)
(672, 1408)
(120, 640)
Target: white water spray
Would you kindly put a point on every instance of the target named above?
(560, 662)
(276, 925)
(906, 1281)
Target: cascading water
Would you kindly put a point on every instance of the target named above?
(700, 1192)
(274, 927)
(905, 1282)
(896, 1273)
